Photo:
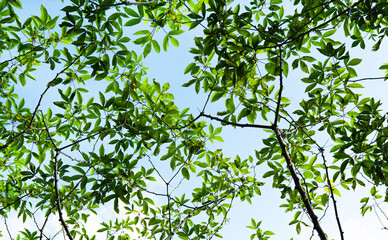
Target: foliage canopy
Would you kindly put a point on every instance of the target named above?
(101, 132)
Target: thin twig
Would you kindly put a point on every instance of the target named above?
(378, 217)
(368, 78)
(6, 226)
(224, 218)
(332, 195)
(43, 226)
(123, 3)
(304, 126)
(157, 171)
(22, 55)
(199, 208)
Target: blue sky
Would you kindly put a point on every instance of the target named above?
(170, 66)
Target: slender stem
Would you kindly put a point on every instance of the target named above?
(6, 226)
(368, 79)
(332, 195)
(43, 226)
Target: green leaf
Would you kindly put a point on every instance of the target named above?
(131, 12)
(116, 205)
(356, 32)
(230, 105)
(354, 62)
(16, 3)
(165, 87)
(373, 191)
(132, 22)
(165, 43)
(43, 13)
(216, 96)
(285, 69)
(324, 199)
(329, 33)
(354, 85)
(142, 40)
(174, 41)
(303, 67)
(189, 68)
(156, 46)
(185, 173)
(252, 117)
(176, 32)
(308, 175)
(147, 49)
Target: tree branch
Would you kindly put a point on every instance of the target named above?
(242, 125)
(124, 3)
(298, 185)
(57, 199)
(275, 123)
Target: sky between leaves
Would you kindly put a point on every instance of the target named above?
(169, 67)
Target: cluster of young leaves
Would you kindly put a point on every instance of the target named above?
(106, 136)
